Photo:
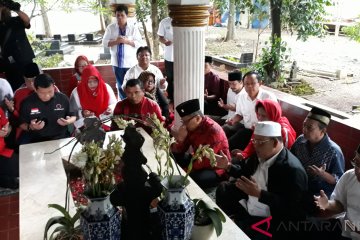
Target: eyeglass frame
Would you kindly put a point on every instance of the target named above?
(260, 142)
(188, 120)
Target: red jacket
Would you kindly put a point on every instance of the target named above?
(145, 107)
(6, 152)
(208, 132)
(274, 113)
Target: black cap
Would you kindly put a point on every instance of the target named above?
(208, 59)
(31, 70)
(188, 107)
(234, 76)
(319, 115)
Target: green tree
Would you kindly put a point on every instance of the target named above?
(156, 10)
(303, 17)
(353, 31)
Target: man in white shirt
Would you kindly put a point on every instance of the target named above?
(143, 57)
(165, 33)
(271, 184)
(344, 199)
(245, 110)
(236, 85)
(123, 38)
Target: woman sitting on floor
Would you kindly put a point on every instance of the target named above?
(93, 97)
(80, 63)
(268, 110)
(154, 93)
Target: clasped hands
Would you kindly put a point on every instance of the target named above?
(248, 186)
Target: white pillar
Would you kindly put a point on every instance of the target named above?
(189, 21)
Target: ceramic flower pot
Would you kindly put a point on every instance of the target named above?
(176, 213)
(203, 232)
(101, 220)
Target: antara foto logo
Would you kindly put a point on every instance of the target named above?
(267, 221)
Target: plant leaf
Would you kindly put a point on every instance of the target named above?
(216, 221)
(58, 229)
(61, 209)
(52, 221)
(220, 214)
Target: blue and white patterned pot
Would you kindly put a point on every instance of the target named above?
(177, 212)
(101, 220)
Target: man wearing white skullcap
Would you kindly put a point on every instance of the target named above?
(270, 184)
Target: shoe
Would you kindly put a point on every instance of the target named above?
(236, 23)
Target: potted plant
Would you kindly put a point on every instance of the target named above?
(68, 228)
(100, 219)
(207, 218)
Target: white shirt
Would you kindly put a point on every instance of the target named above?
(75, 105)
(5, 89)
(132, 33)
(136, 70)
(166, 31)
(347, 191)
(231, 99)
(254, 207)
(245, 107)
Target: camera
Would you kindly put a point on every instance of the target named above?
(14, 6)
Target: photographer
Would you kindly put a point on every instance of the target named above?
(15, 49)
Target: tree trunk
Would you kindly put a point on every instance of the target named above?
(107, 17)
(146, 34)
(45, 20)
(155, 27)
(231, 24)
(102, 22)
(275, 11)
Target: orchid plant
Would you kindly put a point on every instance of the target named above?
(162, 145)
(98, 164)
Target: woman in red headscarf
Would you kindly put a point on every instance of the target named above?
(269, 110)
(80, 63)
(92, 97)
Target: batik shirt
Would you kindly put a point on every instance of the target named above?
(325, 152)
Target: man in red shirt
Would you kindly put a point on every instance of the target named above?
(197, 130)
(135, 104)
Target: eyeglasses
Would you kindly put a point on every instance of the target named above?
(184, 122)
(150, 81)
(260, 142)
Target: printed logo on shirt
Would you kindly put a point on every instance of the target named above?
(58, 107)
(34, 111)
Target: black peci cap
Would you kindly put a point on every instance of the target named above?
(188, 107)
(319, 115)
(234, 76)
(208, 59)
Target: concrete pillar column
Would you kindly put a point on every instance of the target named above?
(189, 19)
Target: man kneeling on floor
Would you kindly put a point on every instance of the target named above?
(272, 184)
(197, 130)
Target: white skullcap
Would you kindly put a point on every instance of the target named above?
(268, 129)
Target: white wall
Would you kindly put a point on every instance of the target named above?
(61, 22)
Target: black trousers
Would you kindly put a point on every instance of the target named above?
(205, 178)
(169, 71)
(240, 139)
(9, 171)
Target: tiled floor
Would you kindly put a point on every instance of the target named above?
(9, 217)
